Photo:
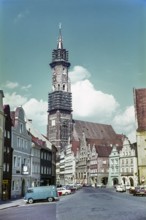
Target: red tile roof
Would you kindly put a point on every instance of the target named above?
(102, 133)
(103, 151)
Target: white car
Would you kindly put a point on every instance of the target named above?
(64, 191)
(120, 188)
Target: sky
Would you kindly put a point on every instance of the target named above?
(106, 40)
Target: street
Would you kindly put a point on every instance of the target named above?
(87, 203)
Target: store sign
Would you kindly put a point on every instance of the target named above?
(25, 169)
(5, 181)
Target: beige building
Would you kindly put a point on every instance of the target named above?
(2, 122)
(140, 110)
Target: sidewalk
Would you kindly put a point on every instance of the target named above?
(11, 203)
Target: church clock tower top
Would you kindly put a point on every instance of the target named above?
(60, 55)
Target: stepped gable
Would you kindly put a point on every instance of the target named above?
(102, 133)
(74, 146)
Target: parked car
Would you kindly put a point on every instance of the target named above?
(128, 187)
(132, 189)
(139, 190)
(120, 188)
(71, 187)
(64, 191)
(48, 193)
(100, 185)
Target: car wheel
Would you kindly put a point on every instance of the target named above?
(30, 200)
(66, 193)
(50, 199)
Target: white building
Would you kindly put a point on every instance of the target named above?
(128, 164)
(114, 167)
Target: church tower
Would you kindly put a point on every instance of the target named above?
(59, 127)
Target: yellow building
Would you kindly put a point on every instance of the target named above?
(2, 120)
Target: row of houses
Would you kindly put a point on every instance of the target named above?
(95, 154)
(27, 158)
(95, 164)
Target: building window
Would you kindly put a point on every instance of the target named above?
(8, 167)
(26, 144)
(13, 185)
(4, 167)
(14, 161)
(18, 161)
(42, 170)
(21, 128)
(8, 150)
(8, 134)
(24, 161)
(18, 142)
(53, 122)
(131, 161)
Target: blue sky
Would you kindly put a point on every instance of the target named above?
(106, 40)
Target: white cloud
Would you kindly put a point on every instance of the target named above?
(14, 100)
(125, 122)
(34, 109)
(11, 85)
(26, 87)
(37, 111)
(89, 102)
(78, 73)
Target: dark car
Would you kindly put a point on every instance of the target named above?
(139, 190)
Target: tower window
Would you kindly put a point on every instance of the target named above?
(53, 122)
(63, 87)
(58, 86)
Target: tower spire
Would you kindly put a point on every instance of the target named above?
(60, 41)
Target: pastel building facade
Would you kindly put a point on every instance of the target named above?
(21, 162)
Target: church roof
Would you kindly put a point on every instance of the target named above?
(100, 134)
